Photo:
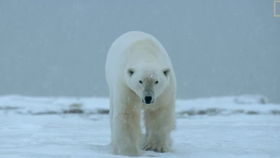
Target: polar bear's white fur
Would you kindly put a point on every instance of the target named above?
(140, 75)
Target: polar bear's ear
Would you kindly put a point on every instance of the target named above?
(166, 72)
(130, 71)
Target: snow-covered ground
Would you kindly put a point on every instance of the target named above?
(244, 126)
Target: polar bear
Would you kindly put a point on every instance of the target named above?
(140, 75)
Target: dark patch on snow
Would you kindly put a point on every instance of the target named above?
(44, 113)
(209, 111)
(9, 108)
(73, 111)
(201, 112)
(275, 112)
(76, 106)
(103, 111)
(252, 112)
(238, 111)
(218, 111)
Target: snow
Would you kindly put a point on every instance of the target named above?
(242, 126)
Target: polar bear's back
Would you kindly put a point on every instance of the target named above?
(132, 38)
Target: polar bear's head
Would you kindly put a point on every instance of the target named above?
(148, 82)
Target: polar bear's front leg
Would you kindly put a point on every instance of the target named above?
(126, 131)
(159, 124)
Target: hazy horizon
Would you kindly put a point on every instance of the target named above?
(218, 48)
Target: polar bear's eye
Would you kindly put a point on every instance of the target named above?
(156, 82)
(140, 82)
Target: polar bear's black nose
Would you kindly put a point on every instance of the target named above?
(148, 99)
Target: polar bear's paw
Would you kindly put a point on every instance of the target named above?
(157, 148)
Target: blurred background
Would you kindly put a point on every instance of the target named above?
(218, 47)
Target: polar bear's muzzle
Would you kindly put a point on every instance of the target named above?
(148, 97)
